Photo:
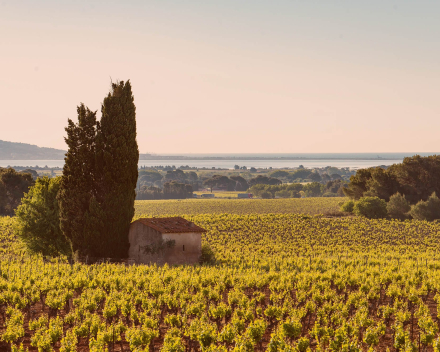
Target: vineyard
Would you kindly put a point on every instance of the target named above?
(285, 279)
(310, 206)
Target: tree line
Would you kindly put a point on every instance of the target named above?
(170, 190)
(175, 184)
(298, 190)
(405, 190)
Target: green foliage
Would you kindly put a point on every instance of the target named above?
(140, 337)
(279, 174)
(241, 184)
(370, 207)
(10, 244)
(264, 180)
(149, 176)
(208, 255)
(330, 194)
(382, 184)
(100, 176)
(426, 210)
(283, 194)
(256, 330)
(303, 344)
(14, 326)
(314, 176)
(291, 329)
(30, 171)
(398, 207)
(313, 189)
(47, 334)
(266, 195)
(80, 214)
(37, 219)
(69, 342)
(180, 176)
(374, 182)
(13, 185)
(348, 206)
(220, 181)
(415, 178)
(300, 174)
(117, 156)
(149, 193)
(173, 342)
(335, 187)
(171, 190)
(280, 191)
(358, 184)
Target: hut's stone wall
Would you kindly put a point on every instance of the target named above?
(148, 245)
(187, 248)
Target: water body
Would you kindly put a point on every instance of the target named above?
(305, 156)
(276, 164)
(227, 161)
(227, 164)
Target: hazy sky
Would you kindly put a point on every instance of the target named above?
(228, 75)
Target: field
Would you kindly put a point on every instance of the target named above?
(311, 206)
(287, 277)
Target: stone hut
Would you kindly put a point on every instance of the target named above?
(165, 240)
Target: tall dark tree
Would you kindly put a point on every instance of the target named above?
(77, 194)
(117, 169)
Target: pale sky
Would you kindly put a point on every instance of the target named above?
(225, 76)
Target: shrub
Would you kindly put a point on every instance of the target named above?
(426, 210)
(295, 194)
(37, 219)
(283, 194)
(371, 207)
(330, 194)
(313, 189)
(266, 195)
(348, 206)
(334, 213)
(279, 173)
(281, 191)
(208, 256)
(398, 207)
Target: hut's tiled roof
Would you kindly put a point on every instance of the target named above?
(171, 225)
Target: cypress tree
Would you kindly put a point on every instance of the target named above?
(77, 194)
(117, 169)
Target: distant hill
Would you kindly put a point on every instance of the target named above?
(23, 151)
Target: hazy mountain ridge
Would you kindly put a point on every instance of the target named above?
(24, 151)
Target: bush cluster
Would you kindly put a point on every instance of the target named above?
(397, 207)
(416, 178)
(280, 191)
